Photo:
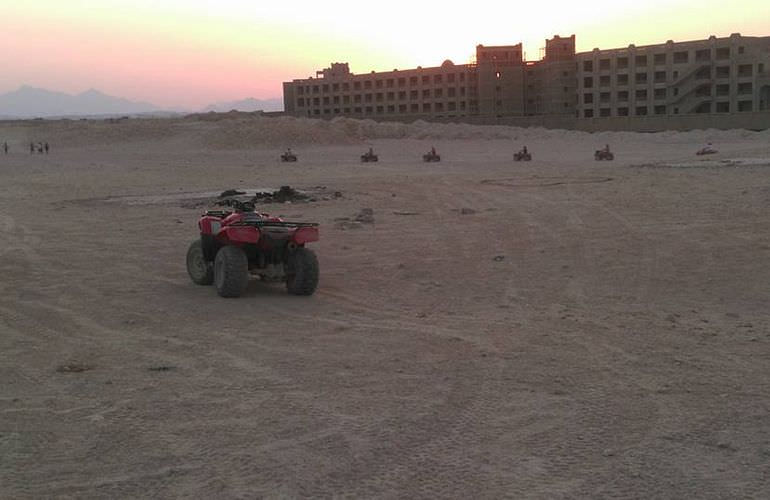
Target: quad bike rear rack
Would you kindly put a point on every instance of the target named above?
(272, 223)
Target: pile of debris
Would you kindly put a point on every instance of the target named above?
(286, 194)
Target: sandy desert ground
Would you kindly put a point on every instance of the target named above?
(563, 328)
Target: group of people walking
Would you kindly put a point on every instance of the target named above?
(40, 147)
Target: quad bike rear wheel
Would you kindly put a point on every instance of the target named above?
(201, 272)
(302, 272)
(231, 271)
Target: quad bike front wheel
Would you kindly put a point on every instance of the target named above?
(231, 271)
(302, 272)
(201, 271)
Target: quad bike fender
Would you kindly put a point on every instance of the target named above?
(209, 225)
(238, 234)
(305, 235)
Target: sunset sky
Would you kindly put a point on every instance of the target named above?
(189, 53)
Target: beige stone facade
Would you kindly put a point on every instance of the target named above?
(718, 75)
(715, 76)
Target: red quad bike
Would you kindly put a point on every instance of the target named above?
(235, 244)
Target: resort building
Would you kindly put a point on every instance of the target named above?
(628, 88)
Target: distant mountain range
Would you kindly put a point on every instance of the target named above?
(31, 102)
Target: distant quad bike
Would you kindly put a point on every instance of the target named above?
(522, 155)
(431, 156)
(288, 156)
(368, 157)
(235, 244)
(706, 151)
(603, 154)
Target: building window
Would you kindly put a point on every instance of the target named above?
(413, 80)
(437, 79)
(745, 88)
(300, 90)
(660, 59)
(723, 53)
(413, 95)
(391, 109)
(357, 110)
(604, 81)
(623, 79)
(641, 78)
(660, 94)
(451, 91)
(345, 87)
(356, 85)
(604, 97)
(744, 106)
(439, 107)
(380, 109)
(368, 84)
(452, 106)
(622, 63)
(588, 82)
(336, 111)
(588, 113)
(316, 111)
(604, 64)
(357, 98)
(641, 110)
(326, 100)
(588, 98)
(368, 110)
(623, 96)
(723, 107)
(389, 83)
(414, 108)
(325, 88)
(426, 107)
(335, 87)
(745, 70)
(723, 89)
(450, 78)
(378, 84)
(741, 50)
(336, 99)
(623, 111)
(723, 71)
(368, 97)
(703, 55)
(641, 61)
(379, 96)
(391, 96)
(604, 112)
(346, 99)
(300, 102)
(703, 73)
(660, 110)
(426, 94)
(641, 95)
(660, 77)
(402, 108)
(588, 66)
(315, 89)
(316, 101)
(462, 77)
(425, 80)
(681, 57)
(402, 95)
